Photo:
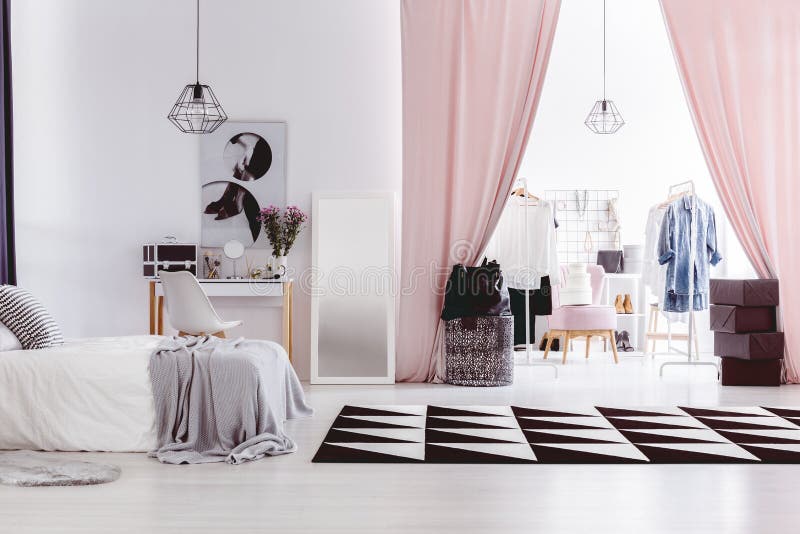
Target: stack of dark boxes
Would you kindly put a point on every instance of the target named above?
(744, 321)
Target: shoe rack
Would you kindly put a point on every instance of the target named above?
(628, 284)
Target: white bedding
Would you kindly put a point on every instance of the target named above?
(89, 394)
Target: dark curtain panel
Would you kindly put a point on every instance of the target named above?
(8, 270)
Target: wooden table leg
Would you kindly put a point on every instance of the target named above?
(152, 307)
(291, 323)
(160, 315)
(287, 318)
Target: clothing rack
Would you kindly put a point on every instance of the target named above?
(522, 183)
(690, 361)
(676, 191)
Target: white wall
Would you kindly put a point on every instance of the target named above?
(656, 147)
(99, 169)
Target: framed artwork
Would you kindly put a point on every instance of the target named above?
(242, 170)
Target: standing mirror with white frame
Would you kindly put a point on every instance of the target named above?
(352, 299)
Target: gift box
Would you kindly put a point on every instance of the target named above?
(744, 292)
(736, 372)
(752, 346)
(738, 319)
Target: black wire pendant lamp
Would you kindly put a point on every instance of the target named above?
(604, 118)
(197, 109)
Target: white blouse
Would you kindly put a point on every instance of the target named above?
(524, 263)
(650, 268)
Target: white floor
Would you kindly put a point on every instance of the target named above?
(290, 494)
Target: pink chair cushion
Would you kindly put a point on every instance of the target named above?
(594, 317)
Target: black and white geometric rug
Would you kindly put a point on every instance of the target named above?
(511, 434)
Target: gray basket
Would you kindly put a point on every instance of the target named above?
(479, 351)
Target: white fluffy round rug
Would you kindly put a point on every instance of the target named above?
(26, 468)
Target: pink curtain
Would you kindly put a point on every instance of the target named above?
(739, 61)
(472, 76)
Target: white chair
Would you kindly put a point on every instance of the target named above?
(190, 311)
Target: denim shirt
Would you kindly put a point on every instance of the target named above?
(674, 251)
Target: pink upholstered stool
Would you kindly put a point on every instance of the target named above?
(570, 322)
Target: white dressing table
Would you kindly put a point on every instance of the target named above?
(274, 293)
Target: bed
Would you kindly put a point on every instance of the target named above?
(208, 399)
(85, 395)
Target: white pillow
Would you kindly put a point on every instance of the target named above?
(8, 341)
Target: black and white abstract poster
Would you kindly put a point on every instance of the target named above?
(242, 170)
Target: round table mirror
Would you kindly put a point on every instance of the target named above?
(233, 250)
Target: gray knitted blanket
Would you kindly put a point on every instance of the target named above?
(223, 400)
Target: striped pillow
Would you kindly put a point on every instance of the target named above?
(28, 319)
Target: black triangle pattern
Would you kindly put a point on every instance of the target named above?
(343, 436)
(533, 412)
(557, 455)
(632, 424)
(783, 412)
(452, 455)
(436, 422)
(544, 437)
(664, 455)
(455, 412)
(536, 424)
(437, 436)
(380, 412)
(442, 438)
(740, 438)
(705, 412)
(772, 455)
(349, 422)
(719, 424)
(646, 437)
(620, 412)
(329, 453)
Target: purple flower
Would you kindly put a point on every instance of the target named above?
(282, 230)
(268, 213)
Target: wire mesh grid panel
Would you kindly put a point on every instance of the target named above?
(587, 222)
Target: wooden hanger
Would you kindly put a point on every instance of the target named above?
(671, 199)
(675, 193)
(673, 189)
(520, 192)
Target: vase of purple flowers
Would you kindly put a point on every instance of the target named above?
(282, 228)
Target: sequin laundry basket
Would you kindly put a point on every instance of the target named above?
(479, 351)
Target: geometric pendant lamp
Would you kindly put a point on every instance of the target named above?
(604, 118)
(197, 109)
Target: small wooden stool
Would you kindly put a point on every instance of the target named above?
(569, 335)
